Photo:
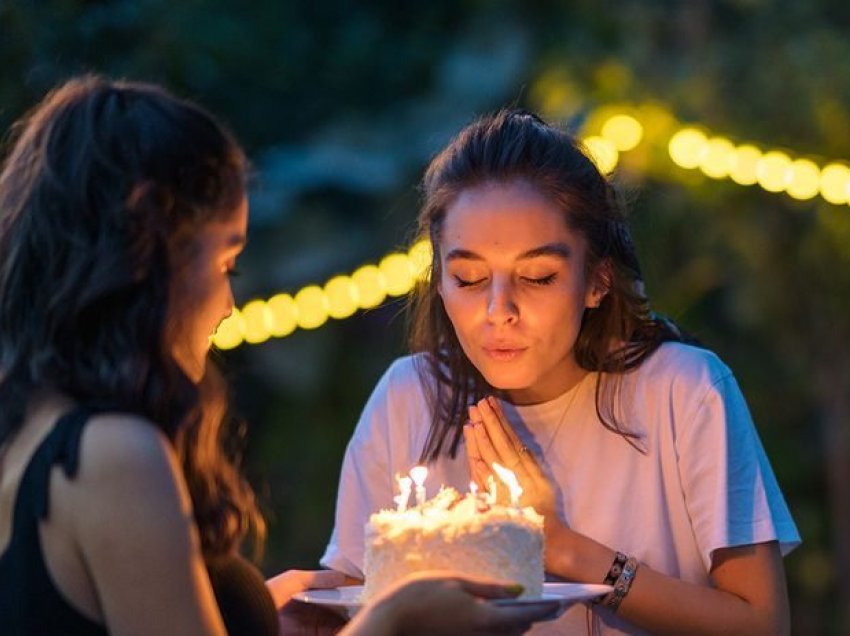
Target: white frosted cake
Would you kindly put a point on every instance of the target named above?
(459, 533)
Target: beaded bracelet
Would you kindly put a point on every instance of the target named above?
(613, 599)
(616, 569)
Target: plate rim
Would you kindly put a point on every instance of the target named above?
(349, 594)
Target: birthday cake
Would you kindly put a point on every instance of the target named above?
(462, 533)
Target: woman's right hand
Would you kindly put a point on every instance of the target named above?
(437, 603)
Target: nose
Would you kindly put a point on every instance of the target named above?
(501, 304)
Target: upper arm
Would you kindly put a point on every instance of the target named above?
(755, 573)
(133, 523)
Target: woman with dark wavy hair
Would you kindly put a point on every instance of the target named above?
(122, 213)
(534, 346)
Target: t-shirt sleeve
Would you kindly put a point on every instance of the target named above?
(730, 490)
(364, 485)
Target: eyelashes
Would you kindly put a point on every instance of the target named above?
(543, 281)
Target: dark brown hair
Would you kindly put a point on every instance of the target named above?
(103, 189)
(614, 338)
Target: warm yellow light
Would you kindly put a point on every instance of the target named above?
(686, 147)
(284, 314)
(370, 286)
(805, 180)
(420, 258)
(258, 321)
(715, 160)
(603, 153)
(341, 293)
(397, 271)
(624, 131)
(743, 163)
(834, 182)
(773, 171)
(312, 307)
(229, 334)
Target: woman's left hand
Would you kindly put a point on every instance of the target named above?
(285, 585)
(490, 438)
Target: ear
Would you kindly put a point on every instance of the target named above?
(599, 284)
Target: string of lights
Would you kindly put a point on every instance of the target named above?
(689, 147)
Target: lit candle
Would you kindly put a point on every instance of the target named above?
(510, 480)
(419, 473)
(402, 498)
(479, 498)
(491, 490)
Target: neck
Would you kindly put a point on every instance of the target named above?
(538, 394)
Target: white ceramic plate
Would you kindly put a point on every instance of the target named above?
(347, 599)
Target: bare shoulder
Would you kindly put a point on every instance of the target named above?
(119, 438)
(125, 461)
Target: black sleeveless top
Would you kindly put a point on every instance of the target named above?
(31, 605)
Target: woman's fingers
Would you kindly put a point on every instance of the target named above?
(478, 467)
(285, 584)
(502, 444)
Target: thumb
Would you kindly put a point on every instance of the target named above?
(323, 579)
(490, 588)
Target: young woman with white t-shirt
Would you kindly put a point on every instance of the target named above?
(534, 346)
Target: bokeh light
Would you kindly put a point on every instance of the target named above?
(687, 147)
(624, 131)
(603, 153)
(341, 293)
(312, 307)
(773, 171)
(370, 286)
(743, 164)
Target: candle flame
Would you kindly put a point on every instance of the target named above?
(404, 485)
(419, 473)
(473, 488)
(510, 480)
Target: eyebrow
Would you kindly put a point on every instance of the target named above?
(561, 250)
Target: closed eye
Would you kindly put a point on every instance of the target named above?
(467, 283)
(545, 280)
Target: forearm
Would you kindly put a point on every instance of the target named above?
(665, 605)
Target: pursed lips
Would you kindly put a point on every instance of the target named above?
(503, 351)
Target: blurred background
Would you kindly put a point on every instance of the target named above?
(735, 172)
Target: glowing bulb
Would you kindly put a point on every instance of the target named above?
(284, 313)
(714, 161)
(420, 258)
(398, 274)
(624, 131)
(686, 147)
(743, 163)
(230, 332)
(341, 293)
(312, 307)
(805, 180)
(370, 286)
(834, 182)
(258, 321)
(603, 153)
(774, 171)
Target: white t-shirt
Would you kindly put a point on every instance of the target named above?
(703, 483)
